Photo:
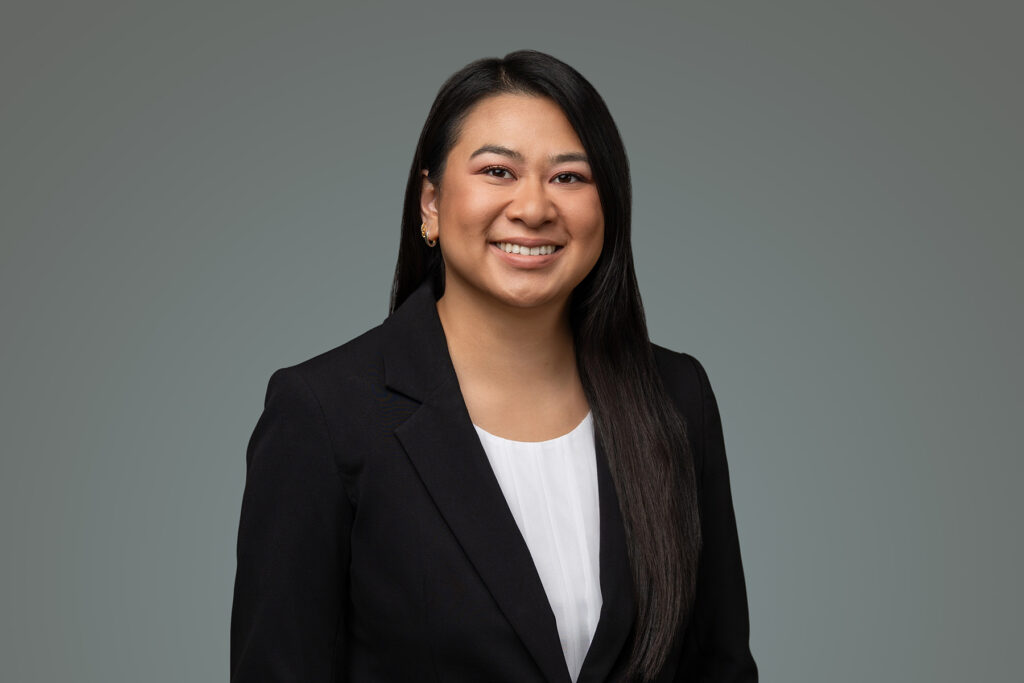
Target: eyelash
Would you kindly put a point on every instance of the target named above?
(568, 173)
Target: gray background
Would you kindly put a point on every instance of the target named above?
(195, 194)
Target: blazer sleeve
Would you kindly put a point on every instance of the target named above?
(720, 611)
(288, 616)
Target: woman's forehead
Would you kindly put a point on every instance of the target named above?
(519, 127)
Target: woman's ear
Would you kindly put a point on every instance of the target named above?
(428, 201)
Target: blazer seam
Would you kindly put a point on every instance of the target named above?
(699, 632)
(323, 419)
(335, 453)
(703, 413)
(342, 481)
(703, 421)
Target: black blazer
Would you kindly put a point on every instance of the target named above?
(375, 543)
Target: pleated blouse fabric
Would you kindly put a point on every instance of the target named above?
(551, 489)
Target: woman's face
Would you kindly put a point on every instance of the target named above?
(518, 174)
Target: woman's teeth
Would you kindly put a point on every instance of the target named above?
(532, 251)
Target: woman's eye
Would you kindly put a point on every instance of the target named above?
(562, 178)
(499, 169)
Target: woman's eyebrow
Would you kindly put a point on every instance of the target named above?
(516, 156)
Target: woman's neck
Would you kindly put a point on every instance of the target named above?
(520, 349)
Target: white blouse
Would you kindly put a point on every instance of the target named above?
(551, 489)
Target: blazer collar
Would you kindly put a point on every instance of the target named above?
(442, 444)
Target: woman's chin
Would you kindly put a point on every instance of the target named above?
(528, 297)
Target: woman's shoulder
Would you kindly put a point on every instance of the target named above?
(411, 329)
(342, 372)
(344, 387)
(679, 369)
(685, 379)
(360, 354)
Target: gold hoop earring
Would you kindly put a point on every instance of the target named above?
(423, 231)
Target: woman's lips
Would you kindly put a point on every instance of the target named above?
(526, 261)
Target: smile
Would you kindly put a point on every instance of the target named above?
(526, 260)
(512, 248)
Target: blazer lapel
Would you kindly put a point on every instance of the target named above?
(442, 444)
(617, 600)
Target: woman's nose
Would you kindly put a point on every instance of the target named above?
(532, 204)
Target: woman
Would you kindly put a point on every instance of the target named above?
(505, 480)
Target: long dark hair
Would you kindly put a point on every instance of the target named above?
(644, 437)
